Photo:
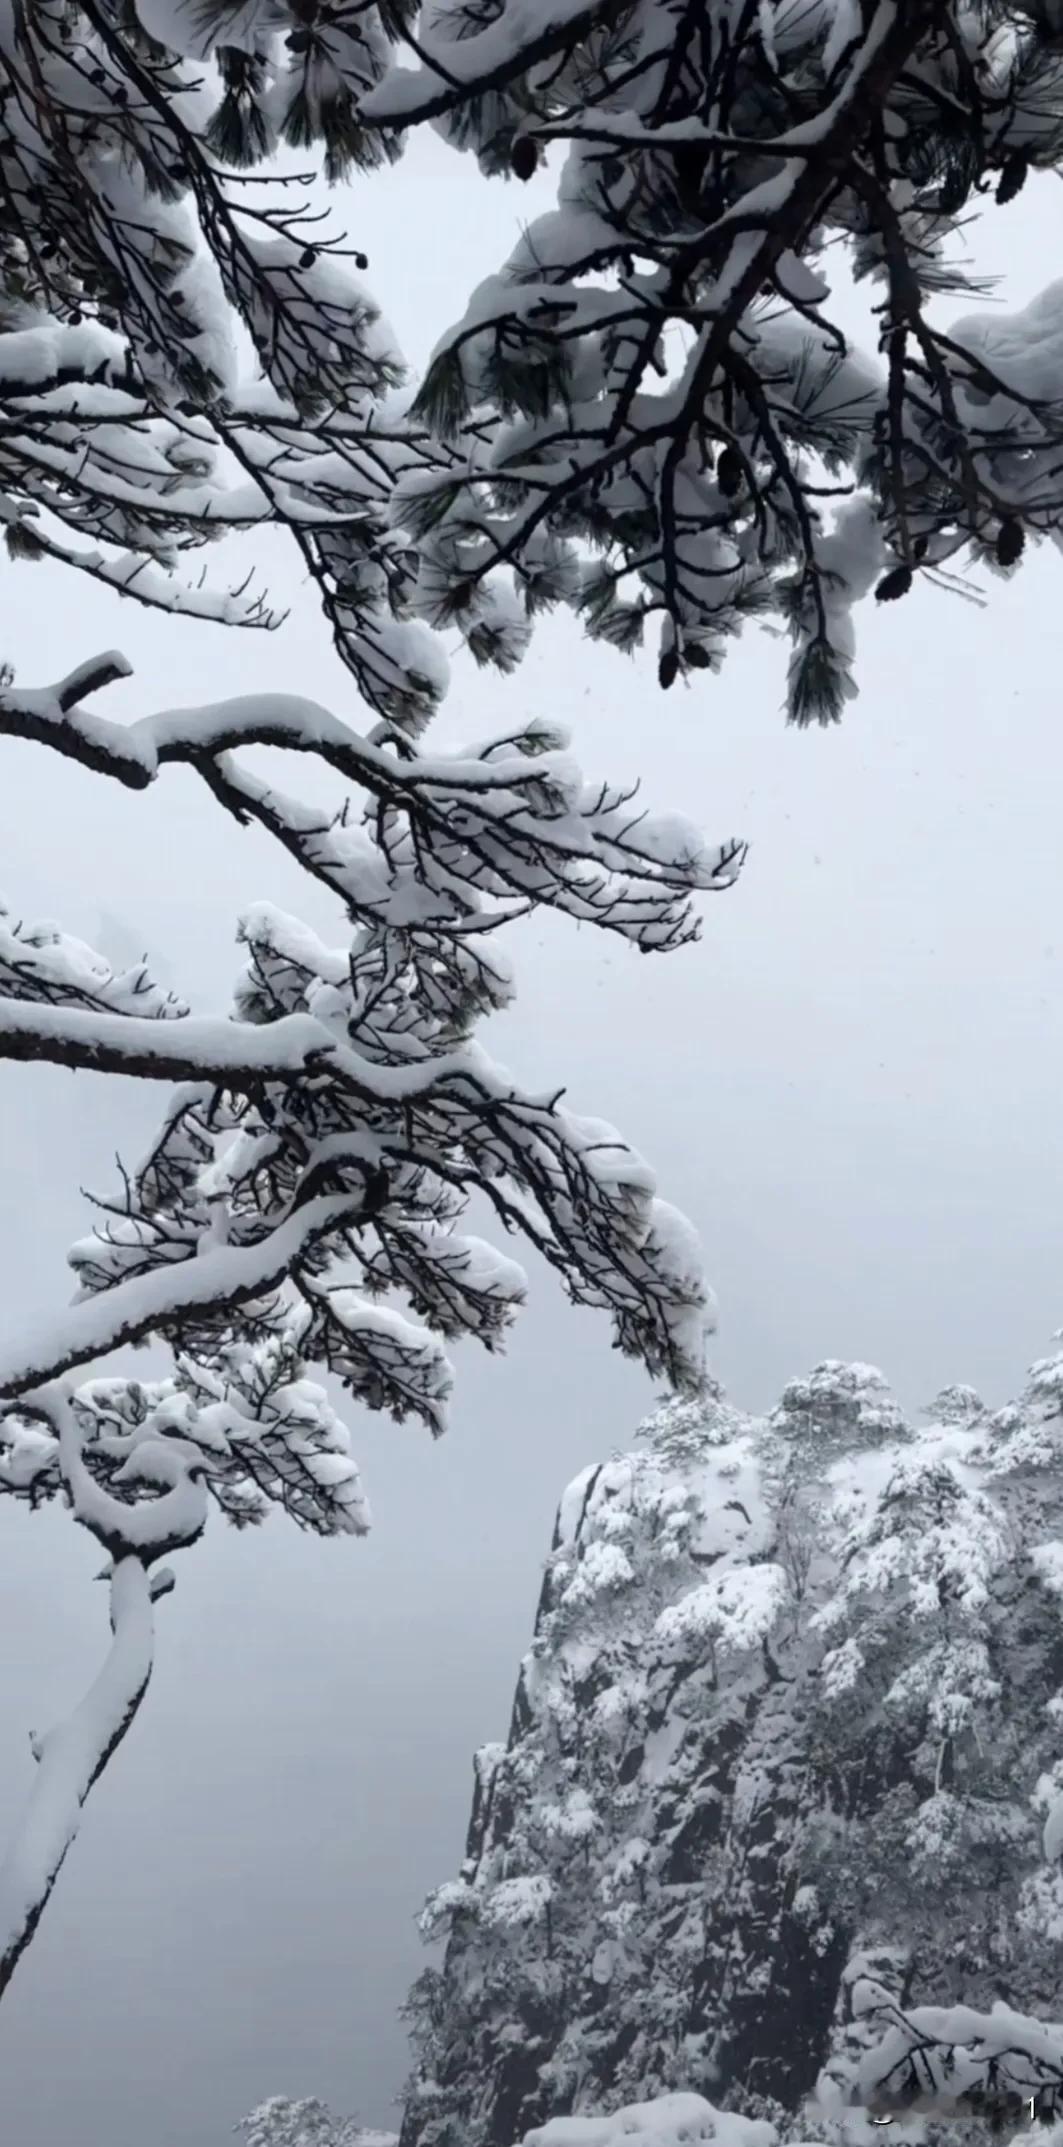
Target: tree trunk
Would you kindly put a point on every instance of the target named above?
(70, 1759)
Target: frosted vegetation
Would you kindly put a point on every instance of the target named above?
(650, 414)
(778, 1813)
(300, 1212)
(778, 1808)
(281, 2122)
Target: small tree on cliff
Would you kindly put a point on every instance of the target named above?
(281, 2122)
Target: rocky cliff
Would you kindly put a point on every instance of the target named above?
(787, 1731)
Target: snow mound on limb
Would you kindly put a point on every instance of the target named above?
(667, 2121)
(935, 2057)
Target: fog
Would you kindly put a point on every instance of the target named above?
(851, 1085)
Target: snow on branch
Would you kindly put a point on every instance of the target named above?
(147, 240)
(952, 2058)
(300, 1213)
(42, 967)
(312, 1166)
(666, 2121)
(70, 1759)
(139, 1466)
(344, 1114)
(244, 1432)
(666, 427)
(148, 1304)
(207, 1225)
(115, 337)
(650, 414)
(515, 817)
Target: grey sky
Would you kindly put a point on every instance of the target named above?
(851, 1086)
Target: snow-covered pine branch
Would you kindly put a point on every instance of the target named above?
(953, 2058)
(347, 1113)
(652, 413)
(348, 1063)
(138, 1466)
(301, 1209)
(512, 818)
(665, 421)
(142, 257)
(70, 1759)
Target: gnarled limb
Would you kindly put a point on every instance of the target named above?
(70, 1759)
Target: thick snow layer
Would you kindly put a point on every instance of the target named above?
(139, 1307)
(668, 2121)
(410, 93)
(733, 1610)
(70, 1757)
(1048, 1559)
(1052, 1838)
(955, 2046)
(1023, 347)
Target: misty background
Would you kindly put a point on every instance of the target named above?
(852, 1086)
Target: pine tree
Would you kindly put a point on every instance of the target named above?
(314, 1164)
(300, 1213)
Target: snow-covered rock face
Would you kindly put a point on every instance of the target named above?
(787, 1732)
